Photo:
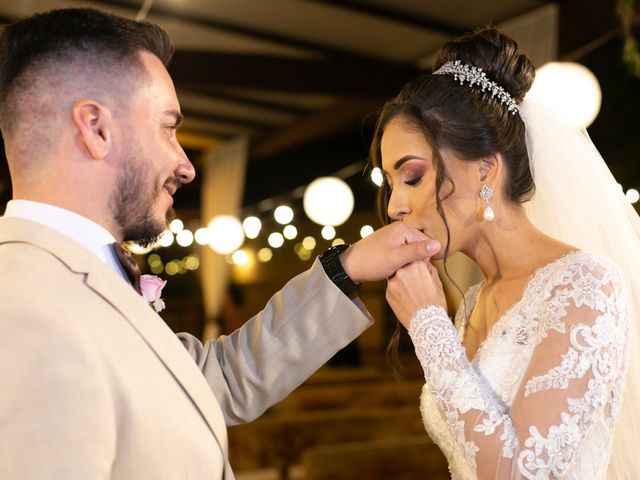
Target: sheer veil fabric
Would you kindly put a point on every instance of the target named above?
(579, 202)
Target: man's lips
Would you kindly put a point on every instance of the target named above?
(171, 187)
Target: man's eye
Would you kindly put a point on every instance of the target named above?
(413, 181)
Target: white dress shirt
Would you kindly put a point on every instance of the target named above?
(84, 231)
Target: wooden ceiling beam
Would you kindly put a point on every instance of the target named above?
(329, 121)
(203, 72)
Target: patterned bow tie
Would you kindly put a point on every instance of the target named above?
(129, 264)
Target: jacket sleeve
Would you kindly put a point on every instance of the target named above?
(301, 327)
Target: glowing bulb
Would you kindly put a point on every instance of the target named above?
(337, 241)
(176, 225)
(240, 257)
(275, 240)
(290, 232)
(283, 214)
(184, 238)
(328, 201)
(309, 243)
(192, 262)
(366, 231)
(265, 254)
(227, 234)
(328, 232)
(166, 239)
(252, 227)
(570, 88)
(202, 236)
(139, 249)
(633, 195)
(377, 176)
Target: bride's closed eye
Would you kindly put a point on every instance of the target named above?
(413, 181)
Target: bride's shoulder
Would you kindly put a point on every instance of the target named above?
(581, 264)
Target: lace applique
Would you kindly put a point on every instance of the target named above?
(581, 299)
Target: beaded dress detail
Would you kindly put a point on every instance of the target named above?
(541, 395)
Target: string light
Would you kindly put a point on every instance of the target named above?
(275, 240)
(176, 225)
(328, 232)
(283, 214)
(252, 227)
(240, 257)
(366, 231)
(202, 236)
(227, 234)
(377, 177)
(309, 243)
(184, 238)
(166, 239)
(290, 232)
(265, 254)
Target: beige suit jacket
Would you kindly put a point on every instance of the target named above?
(94, 385)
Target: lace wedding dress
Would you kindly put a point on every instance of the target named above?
(541, 395)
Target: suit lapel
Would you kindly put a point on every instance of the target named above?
(164, 343)
(106, 283)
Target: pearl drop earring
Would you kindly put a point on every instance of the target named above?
(486, 192)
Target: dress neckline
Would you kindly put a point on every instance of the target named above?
(525, 291)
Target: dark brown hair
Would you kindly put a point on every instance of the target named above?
(59, 37)
(470, 122)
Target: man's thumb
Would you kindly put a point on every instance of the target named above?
(423, 250)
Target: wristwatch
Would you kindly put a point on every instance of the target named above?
(330, 261)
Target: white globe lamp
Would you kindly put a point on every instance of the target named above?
(328, 201)
(226, 233)
(571, 89)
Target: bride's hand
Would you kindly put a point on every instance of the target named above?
(414, 287)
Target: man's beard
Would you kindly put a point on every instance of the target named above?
(132, 204)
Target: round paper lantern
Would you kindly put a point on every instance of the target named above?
(328, 201)
(226, 233)
(571, 89)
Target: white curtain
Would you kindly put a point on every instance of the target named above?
(223, 179)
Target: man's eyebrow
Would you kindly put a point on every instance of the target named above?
(175, 114)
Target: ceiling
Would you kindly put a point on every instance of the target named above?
(303, 79)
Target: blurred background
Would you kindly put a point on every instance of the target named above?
(278, 94)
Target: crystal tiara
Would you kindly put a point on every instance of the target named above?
(475, 76)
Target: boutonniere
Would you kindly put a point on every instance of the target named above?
(151, 287)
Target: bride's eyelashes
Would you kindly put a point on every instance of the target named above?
(413, 181)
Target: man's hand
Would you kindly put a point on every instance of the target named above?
(386, 250)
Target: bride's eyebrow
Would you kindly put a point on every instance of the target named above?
(402, 161)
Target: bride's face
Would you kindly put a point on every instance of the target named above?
(409, 168)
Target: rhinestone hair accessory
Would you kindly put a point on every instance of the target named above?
(475, 76)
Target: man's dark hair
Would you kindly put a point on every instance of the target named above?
(58, 38)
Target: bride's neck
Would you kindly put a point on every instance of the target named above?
(510, 246)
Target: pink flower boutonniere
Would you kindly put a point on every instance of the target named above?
(151, 287)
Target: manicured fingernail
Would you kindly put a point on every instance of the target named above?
(433, 246)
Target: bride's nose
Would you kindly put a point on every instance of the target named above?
(398, 207)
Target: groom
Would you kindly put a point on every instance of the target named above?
(93, 385)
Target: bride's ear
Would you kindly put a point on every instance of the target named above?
(490, 170)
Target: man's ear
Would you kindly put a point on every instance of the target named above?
(94, 122)
(490, 169)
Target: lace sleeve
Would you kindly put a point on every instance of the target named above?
(574, 378)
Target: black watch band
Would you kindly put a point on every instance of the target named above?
(330, 261)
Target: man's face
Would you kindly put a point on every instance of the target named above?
(151, 161)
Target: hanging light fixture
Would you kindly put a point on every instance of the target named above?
(570, 88)
(226, 233)
(328, 201)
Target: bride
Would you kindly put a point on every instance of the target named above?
(529, 379)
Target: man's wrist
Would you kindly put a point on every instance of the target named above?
(334, 269)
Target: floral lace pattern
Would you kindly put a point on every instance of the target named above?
(541, 395)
